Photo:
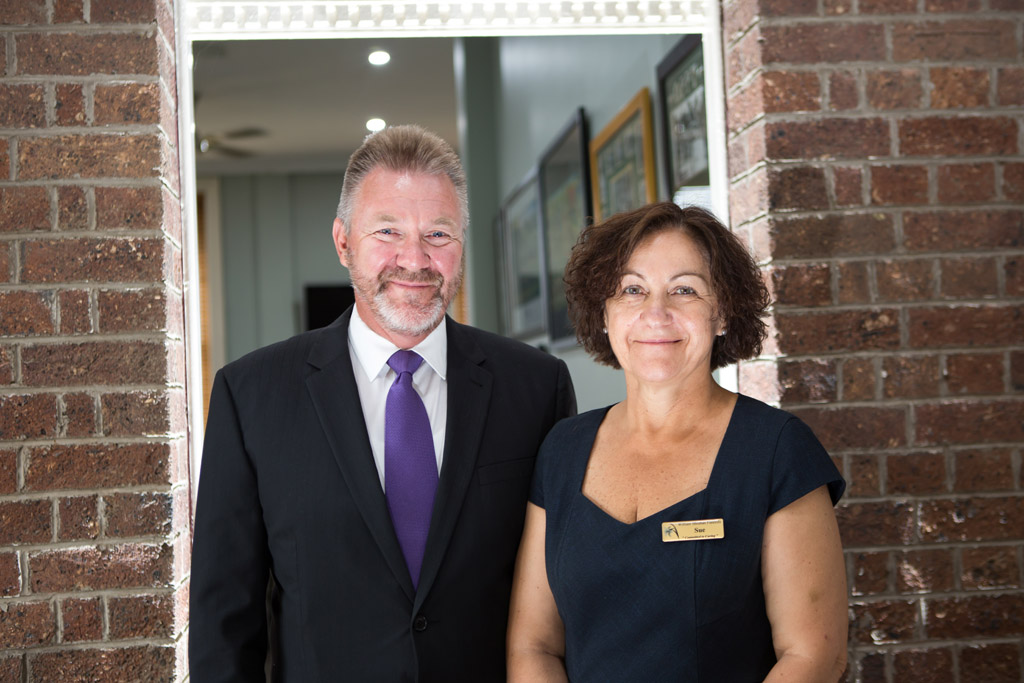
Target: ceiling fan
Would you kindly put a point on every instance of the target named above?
(221, 142)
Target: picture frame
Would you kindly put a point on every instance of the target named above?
(623, 175)
(566, 210)
(681, 99)
(523, 291)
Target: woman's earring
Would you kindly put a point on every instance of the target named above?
(605, 330)
(722, 333)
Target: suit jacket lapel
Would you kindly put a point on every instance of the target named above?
(336, 400)
(469, 395)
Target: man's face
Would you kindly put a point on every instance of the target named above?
(403, 251)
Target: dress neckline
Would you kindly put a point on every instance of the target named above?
(729, 429)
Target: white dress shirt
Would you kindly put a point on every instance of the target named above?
(370, 352)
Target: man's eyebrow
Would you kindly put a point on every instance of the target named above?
(444, 220)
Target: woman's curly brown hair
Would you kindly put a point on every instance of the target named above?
(602, 251)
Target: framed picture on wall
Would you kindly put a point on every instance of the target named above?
(622, 160)
(565, 204)
(522, 262)
(684, 118)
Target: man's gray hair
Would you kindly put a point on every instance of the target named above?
(402, 148)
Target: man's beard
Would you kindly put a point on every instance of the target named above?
(408, 316)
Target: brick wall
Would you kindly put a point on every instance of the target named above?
(93, 456)
(876, 157)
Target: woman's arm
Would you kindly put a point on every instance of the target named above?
(804, 581)
(536, 637)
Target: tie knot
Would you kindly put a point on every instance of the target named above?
(404, 361)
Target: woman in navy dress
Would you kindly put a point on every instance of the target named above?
(687, 533)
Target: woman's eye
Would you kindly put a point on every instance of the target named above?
(632, 290)
(686, 291)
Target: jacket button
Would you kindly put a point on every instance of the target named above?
(420, 623)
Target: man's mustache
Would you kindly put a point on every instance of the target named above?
(425, 276)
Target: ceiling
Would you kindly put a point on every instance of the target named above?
(302, 105)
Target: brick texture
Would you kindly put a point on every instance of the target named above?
(93, 446)
(889, 136)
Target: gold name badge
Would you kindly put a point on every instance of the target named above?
(698, 530)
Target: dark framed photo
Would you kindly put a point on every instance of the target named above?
(565, 205)
(522, 264)
(684, 117)
(622, 160)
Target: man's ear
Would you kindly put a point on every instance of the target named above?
(340, 241)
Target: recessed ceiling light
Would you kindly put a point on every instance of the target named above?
(379, 57)
(373, 125)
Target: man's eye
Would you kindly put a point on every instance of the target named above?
(386, 231)
(437, 234)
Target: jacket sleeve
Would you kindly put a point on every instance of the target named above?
(230, 557)
(565, 405)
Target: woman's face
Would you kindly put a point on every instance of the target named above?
(662, 320)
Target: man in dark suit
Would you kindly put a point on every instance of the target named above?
(378, 493)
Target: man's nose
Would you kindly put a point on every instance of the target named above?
(412, 254)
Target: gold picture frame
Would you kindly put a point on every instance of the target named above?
(623, 175)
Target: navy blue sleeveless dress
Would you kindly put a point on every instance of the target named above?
(638, 609)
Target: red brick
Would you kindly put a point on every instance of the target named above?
(129, 208)
(899, 185)
(966, 326)
(798, 187)
(149, 664)
(127, 103)
(31, 416)
(5, 263)
(802, 285)
(74, 312)
(89, 156)
(1013, 181)
(969, 278)
(865, 480)
(870, 573)
(1013, 270)
(964, 183)
(22, 106)
(970, 422)
(165, 19)
(85, 54)
(870, 669)
(971, 519)
(8, 470)
(808, 381)
(832, 235)
(1010, 86)
(975, 373)
(959, 87)
(11, 668)
(142, 616)
(846, 330)
(990, 663)
(963, 230)
(25, 521)
(905, 280)
(748, 197)
(68, 12)
(934, 665)
(858, 379)
(876, 623)
(990, 567)
(109, 363)
(911, 377)
(1017, 370)
(128, 565)
(26, 313)
(70, 105)
(848, 186)
(78, 415)
(953, 5)
(827, 139)
(916, 474)
(141, 413)
(138, 514)
(72, 208)
(958, 136)
(123, 11)
(823, 43)
(7, 361)
(984, 470)
(845, 428)
(788, 91)
(20, 12)
(888, 6)
(79, 518)
(5, 158)
(128, 259)
(87, 466)
(24, 209)
(981, 616)
(10, 576)
(26, 624)
(897, 89)
(83, 619)
(842, 91)
(853, 283)
(743, 57)
(136, 310)
(954, 40)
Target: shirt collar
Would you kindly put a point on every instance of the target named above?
(372, 350)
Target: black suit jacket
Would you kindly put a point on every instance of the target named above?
(289, 489)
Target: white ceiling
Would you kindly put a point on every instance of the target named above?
(313, 98)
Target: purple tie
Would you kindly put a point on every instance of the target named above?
(410, 466)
